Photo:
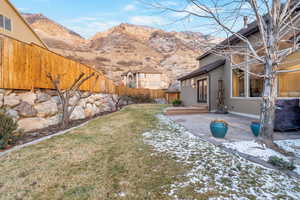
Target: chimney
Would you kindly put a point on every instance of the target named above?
(245, 21)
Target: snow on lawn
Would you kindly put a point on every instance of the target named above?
(262, 152)
(213, 173)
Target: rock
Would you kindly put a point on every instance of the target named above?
(12, 113)
(26, 110)
(28, 97)
(8, 92)
(56, 100)
(46, 109)
(89, 111)
(2, 91)
(30, 124)
(1, 100)
(42, 97)
(98, 103)
(99, 96)
(82, 103)
(91, 99)
(12, 100)
(74, 100)
(54, 120)
(51, 92)
(78, 113)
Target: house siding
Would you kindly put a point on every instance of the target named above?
(214, 77)
(20, 30)
(238, 104)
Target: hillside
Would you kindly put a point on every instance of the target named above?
(125, 47)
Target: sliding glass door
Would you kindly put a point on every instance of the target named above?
(202, 90)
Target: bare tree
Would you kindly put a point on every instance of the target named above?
(277, 23)
(66, 94)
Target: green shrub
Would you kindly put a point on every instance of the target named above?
(177, 102)
(282, 164)
(142, 99)
(7, 130)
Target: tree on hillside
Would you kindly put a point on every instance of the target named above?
(66, 94)
(278, 25)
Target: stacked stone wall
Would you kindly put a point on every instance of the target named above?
(42, 108)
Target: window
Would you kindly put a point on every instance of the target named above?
(256, 83)
(7, 23)
(238, 83)
(289, 83)
(1, 21)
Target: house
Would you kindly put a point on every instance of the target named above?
(218, 77)
(148, 77)
(13, 25)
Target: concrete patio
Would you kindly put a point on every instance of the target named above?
(239, 129)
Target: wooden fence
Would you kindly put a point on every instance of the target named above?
(25, 66)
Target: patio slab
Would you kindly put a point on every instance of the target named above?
(239, 129)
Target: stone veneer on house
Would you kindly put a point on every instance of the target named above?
(41, 108)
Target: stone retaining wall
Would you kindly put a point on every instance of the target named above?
(41, 108)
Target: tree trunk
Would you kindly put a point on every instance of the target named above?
(267, 115)
(65, 114)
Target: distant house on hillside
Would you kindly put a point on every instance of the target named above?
(13, 25)
(147, 77)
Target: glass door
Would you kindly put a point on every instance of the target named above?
(202, 90)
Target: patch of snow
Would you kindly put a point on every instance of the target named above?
(253, 148)
(213, 170)
(258, 150)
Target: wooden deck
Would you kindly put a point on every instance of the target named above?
(186, 110)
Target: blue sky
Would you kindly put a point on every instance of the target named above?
(87, 17)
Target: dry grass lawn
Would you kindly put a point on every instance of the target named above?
(105, 159)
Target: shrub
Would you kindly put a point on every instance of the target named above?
(282, 164)
(177, 102)
(7, 130)
(142, 99)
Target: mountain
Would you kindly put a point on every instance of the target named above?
(126, 47)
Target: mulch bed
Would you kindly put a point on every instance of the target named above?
(37, 134)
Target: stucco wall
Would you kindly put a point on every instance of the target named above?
(189, 94)
(20, 30)
(209, 59)
(236, 104)
(214, 77)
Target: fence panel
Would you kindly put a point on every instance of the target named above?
(25, 66)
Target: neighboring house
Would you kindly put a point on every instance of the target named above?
(13, 25)
(241, 91)
(147, 77)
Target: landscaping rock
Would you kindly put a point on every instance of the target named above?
(46, 109)
(54, 120)
(12, 113)
(26, 110)
(78, 113)
(56, 100)
(89, 111)
(98, 103)
(12, 100)
(8, 92)
(74, 100)
(30, 124)
(1, 100)
(28, 97)
(42, 97)
(91, 99)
